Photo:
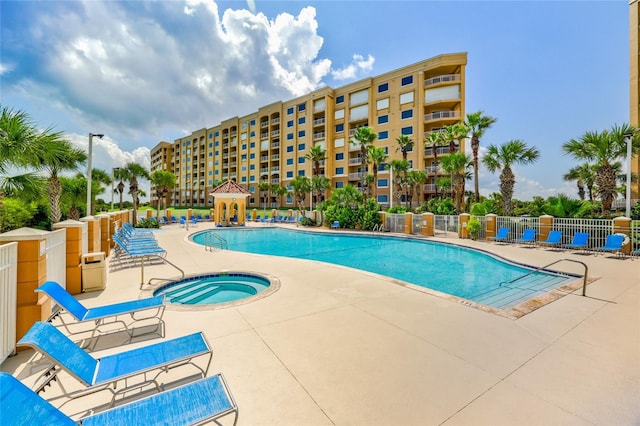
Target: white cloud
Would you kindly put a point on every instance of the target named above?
(4, 68)
(358, 66)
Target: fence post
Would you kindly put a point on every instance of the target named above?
(408, 223)
(622, 225)
(76, 247)
(168, 213)
(462, 229)
(428, 220)
(105, 233)
(383, 219)
(546, 225)
(93, 232)
(491, 225)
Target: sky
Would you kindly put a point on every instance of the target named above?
(141, 72)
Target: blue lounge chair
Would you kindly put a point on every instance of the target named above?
(207, 217)
(502, 235)
(613, 244)
(528, 237)
(139, 312)
(291, 219)
(335, 225)
(174, 219)
(554, 239)
(116, 370)
(580, 242)
(209, 399)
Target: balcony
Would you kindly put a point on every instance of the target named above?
(264, 158)
(275, 157)
(275, 170)
(275, 120)
(441, 150)
(319, 135)
(264, 171)
(440, 115)
(355, 176)
(355, 161)
(264, 135)
(446, 78)
(429, 187)
(264, 124)
(431, 169)
(319, 121)
(275, 133)
(275, 145)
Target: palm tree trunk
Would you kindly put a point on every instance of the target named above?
(54, 188)
(507, 182)
(606, 182)
(475, 145)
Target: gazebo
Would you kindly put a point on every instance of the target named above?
(229, 200)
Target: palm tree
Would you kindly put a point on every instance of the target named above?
(301, 187)
(74, 192)
(502, 158)
(456, 166)
(364, 137)
(264, 188)
(121, 175)
(477, 123)
(415, 180)
(576, 173)
(163, 181)
(603, 149)
(455, 133)
(435, 139)
(99, 177)
(400, 176)
(316, 155)
(55, 156)
(405, 143)
(134, 171)
(280, 191)
(378, 157)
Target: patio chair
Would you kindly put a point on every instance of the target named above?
(115, 371)
(502, 235)
(335, 225)
(613, 244)
(528, 237)
(143, 311)
(554, 239)
(209, 399)
(579, 243)
(174, 219)
(291, 219)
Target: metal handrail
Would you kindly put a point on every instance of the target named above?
(209, 243)
(584, 281)
(164, 279)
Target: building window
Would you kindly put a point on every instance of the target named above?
(383, 198)
(301, 134)
(290, 111)
(252, 178)
(339, 185)
(407, 80)
(406, 98)
(253, 122)
(290, 148)
(210, 135)
(290, 123)
(339, 170)
(302, 120)
(244, 157)
(252, 167)
(383, 183)
(252, 145)
(301, 147)
(302, 107)
(340, 156)
(382, 104)
(383, 119)
(339, 128)
(407, 130)
(289, 175)
(408, 113)
(244, 146)
(383, 135)
(289, 161)
(300, 160)
(244, 178)
(359, 97)
(252, 155)
(383, 87)
(300, 172)
(339, 114)
(340, 99)
(289, 136)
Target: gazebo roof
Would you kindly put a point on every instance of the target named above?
(228, 188)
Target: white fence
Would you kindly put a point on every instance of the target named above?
(57, 257)
(8, 295)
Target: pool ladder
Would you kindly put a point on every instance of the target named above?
(584, 280)
(213, 240)
(165, 279)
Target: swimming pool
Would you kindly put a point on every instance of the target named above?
(458, 271)
(215, 288)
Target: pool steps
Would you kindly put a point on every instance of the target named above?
(193, 292)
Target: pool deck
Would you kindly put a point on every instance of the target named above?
(337, 346)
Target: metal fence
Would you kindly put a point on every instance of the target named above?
(8, 301)
(446, 225)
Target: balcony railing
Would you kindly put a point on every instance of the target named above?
(319, 135)
(355, 176)
(355, 161)
(431, 169)
(429, 187)
(441, 150)
(264, 170)
(275, 157)
(275, 133)
(264, 135)
(439, 115)
(264, 124)
(275, 120)
(442, 79)
(275, 170)
(275, 144)
(319, 121)
(264, 158)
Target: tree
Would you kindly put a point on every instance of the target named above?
(585, 176)
(435, 139)
(134, 171)
(301, 187)
(400, 176)
(316, 155)
(455, 133)
(99, 178)
(378, 158)
(264, 188)
(74, 192)
(364, 137)
(163, 181)
(280, 191)
(456, 166)
(477, 123)
(415, 180)
(502, 158)
(121, 175)
(603, 149)
(405, 143)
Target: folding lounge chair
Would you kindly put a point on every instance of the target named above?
(502, 235)
(115, 370)
(142, 311)
(580, 240)
(554, 239)
(613, 244)
(528, 237)
(335, 225)
(209, 399)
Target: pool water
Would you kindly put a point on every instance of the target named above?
(459, 271)
(213, 288)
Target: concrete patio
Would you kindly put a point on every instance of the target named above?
(340, 346)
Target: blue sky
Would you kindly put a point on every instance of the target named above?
(141, 72)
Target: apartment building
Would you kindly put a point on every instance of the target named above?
(269, 145)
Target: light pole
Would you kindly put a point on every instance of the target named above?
(91, 135)
(627, 138)
(113, 179)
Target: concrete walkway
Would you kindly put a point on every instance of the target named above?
(340, 346)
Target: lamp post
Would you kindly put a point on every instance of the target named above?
(91, 135)
(113, 179)
(627, 138)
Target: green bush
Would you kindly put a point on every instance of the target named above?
(474, 227)
(148, 223)
(15, 214)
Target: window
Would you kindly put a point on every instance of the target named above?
(252, 189)
(301, 134)
(252, 155)
(340, 99)
(210, 135)
(383, 119)
(338, 143)
(252, 145)
(339, 128)
(441, 93)
(217, 143)
(244, 157)
(383, 87)
(217, 153)
(301, 147)
(408, 113)
(339, 170)
(290, 111)
(217, 133)
(302, 120)
(383, 135)
(244, 146)
(383, 198)
(289, 175)
(359, 112)
(339, 185)
(340, 156)
(407, 130)
(252, 167)
(383, 183)
(300, 160)
(339, 114)
(289, 136)
(302, 107)
(211, 154)
(359, 97)
(382, 104)
(290, 148)
(289, 161)
(406, 98)
(210, 145)
(252, 178)
(407, 80)
(253, 122)
(300, 172)
(244, 178)
(290, 123)
(382, 167)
